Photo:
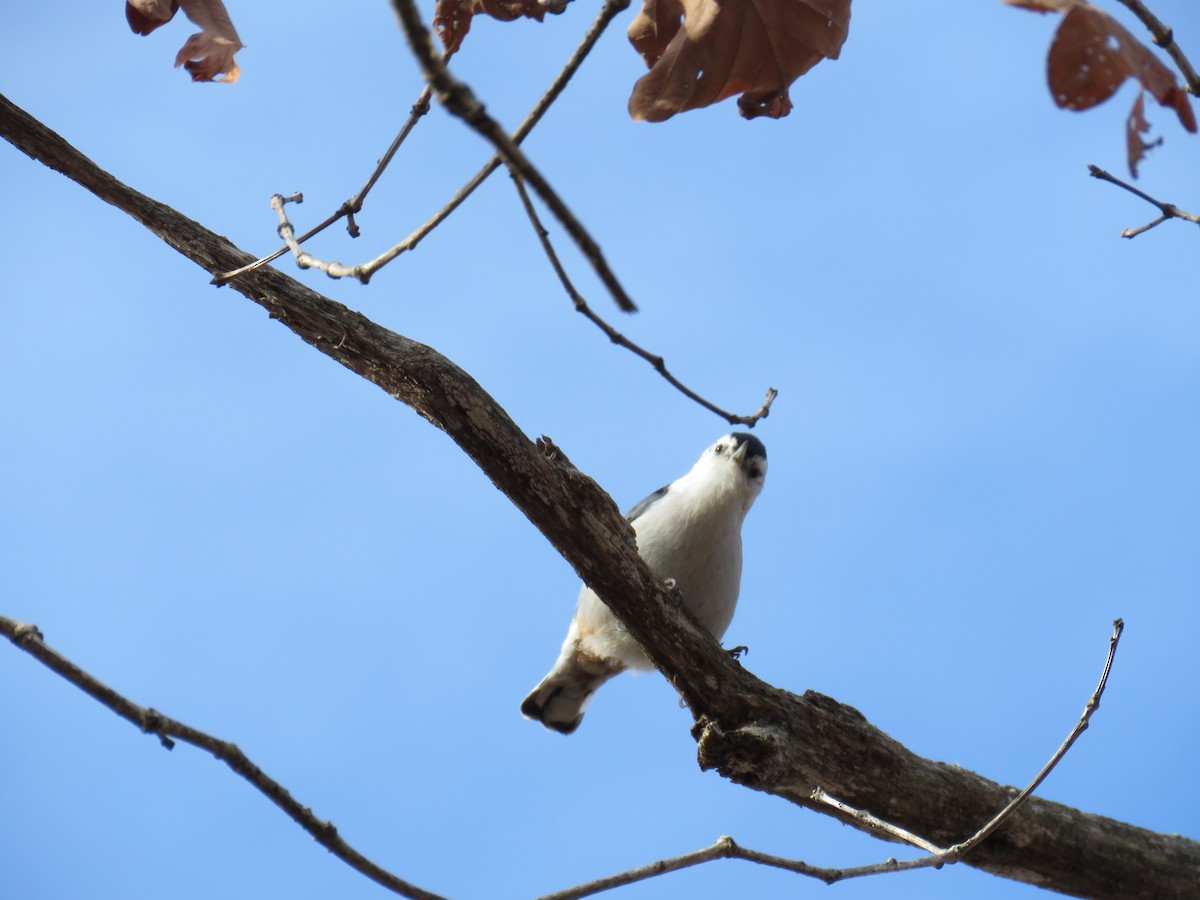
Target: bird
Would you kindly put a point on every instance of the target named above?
(690, 534)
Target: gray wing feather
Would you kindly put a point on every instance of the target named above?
(643, 505)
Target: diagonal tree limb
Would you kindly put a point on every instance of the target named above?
(581, 306)
(752, 733)
(29, 639)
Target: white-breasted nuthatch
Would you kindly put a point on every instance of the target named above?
(689, 532)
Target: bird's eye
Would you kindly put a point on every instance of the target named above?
(719, 449)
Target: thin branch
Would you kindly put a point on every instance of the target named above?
(460, 100)
(354, 205)
(608, 12)
(615, 336)
(1164, 36)
(958, 851)
(876, 824)
(726, 848)
(1168, 210)
(419, 109)
(28, 638)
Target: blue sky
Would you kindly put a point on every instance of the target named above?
(984, 450)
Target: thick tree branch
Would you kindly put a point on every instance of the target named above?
(755, 734)
(29, 639)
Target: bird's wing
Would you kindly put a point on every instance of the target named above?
(642, 505)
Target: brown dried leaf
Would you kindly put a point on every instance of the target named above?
(211, 52)
(1135, 126)
(1090, 58)
(144, 16)
(452, 18)
(206, 55)
(702, 51)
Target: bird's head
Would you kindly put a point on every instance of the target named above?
(736, 463)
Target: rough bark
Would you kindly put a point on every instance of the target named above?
(752, 733)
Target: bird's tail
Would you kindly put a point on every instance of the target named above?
(561, 697)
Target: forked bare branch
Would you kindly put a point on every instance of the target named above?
(1168, 210)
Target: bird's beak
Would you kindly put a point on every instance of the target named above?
(740, 452)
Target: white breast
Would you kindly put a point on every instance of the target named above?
(693, 537)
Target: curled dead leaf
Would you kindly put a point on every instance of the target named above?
(701, 51)
(208, 55)
(452, 18)
(1090, 58)
(144, 16)
(1135, 126)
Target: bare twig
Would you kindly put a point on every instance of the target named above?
(303, 259)
(726, 848)
(460, 100)
(354, 205)
(806, 738)
(29, 639)
(958, 851)
(723, 848)
(419, 109)
(1164, 36)
(865, 818)
(1168, 210)
(615, 336)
